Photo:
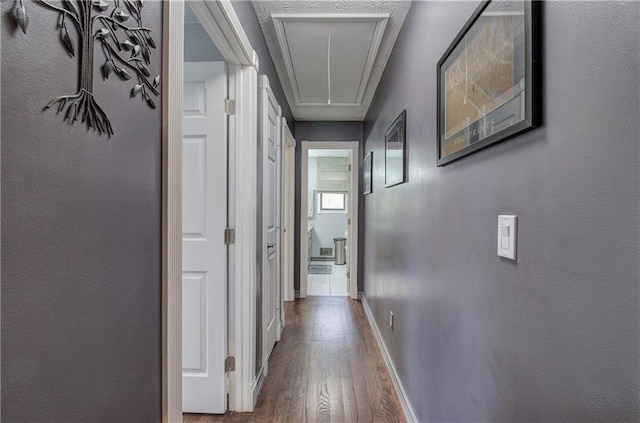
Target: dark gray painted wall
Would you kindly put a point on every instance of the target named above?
(554, 336)
(249, 20)
(81, 240)
(321, 131)
(198, 46)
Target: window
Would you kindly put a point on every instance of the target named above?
(332, 201)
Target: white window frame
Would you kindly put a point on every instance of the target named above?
(320, 210)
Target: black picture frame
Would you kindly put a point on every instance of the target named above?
(367, 174)
(500, 98)
(395, 152)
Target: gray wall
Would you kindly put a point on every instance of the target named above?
(198, 46)
(321, 131)
(81, 240)
(554, 336)
(327, 226)
(249, 20)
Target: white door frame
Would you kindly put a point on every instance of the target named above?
(221, 23)
(354, 195)
(288, 211)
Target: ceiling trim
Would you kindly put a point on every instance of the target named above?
(279, 20)
(396, 10)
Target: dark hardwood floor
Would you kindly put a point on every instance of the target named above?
(326, 368)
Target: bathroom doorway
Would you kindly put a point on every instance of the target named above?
(329, 201)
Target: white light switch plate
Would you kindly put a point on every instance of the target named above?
(507, 236)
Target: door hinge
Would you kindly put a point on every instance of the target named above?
(229, 364)
(229, 107)
(229, 236)
(348, 275)
(349, 168)
(349, 221)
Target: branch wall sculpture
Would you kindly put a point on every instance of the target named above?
(118, 29)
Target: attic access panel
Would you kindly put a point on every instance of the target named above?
(329, 57)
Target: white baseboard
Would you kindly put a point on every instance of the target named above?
(409, 415)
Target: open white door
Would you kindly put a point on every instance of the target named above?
(204, 219)
(288, 212)
(269, 144)
(279, 225)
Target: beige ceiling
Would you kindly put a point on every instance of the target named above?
(330, 55)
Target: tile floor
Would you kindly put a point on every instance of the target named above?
(334, 284)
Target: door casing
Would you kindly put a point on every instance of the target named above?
(220, 21)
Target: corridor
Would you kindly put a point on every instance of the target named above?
(170, 229)
(327, 367)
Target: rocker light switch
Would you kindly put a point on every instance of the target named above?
(504, 237)
(507, 234)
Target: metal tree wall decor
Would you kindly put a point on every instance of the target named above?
(117, 27)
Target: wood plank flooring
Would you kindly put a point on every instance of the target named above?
(326, 368)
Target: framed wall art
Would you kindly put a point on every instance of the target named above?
(489, 79)
(394, 152)
(367, 168)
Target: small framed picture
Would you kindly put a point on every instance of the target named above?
(394, 152)
(489, 79)
(367, 169)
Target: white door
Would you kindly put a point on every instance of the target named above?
(288, 189)
(269, 144)
(204, 219)
(279, 225)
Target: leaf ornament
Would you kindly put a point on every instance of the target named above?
(150, 41)
(103, 32)
(20, 15)
(136, 89)
(123, 74)
(127, 45)
(100, 5)
(106, 70)
(144, 70)
(122, 15)
(67, 41)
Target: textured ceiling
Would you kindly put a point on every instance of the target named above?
(397, 11)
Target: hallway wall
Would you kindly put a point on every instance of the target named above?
(321, 131)
(81, 306)
(553, 336)
(198, 46)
